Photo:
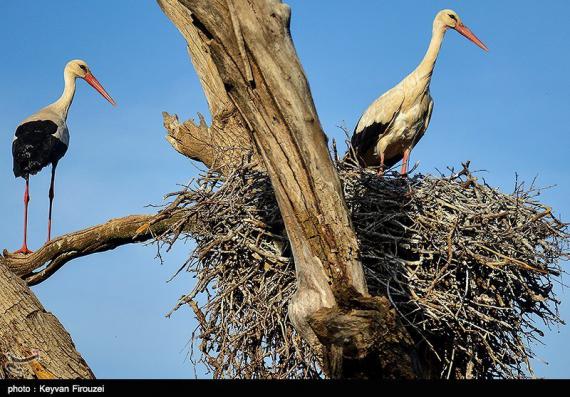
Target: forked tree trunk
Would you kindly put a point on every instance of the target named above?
(248, 66)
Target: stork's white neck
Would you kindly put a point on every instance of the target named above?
(62, 105)
(425, 69)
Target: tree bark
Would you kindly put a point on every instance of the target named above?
(33, 343)
(244, 50)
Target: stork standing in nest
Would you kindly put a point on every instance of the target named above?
(394, 123)
(43, 138)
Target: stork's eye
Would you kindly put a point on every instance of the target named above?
(453, 17)
(83, 67)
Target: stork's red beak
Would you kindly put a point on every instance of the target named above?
(95, 84)
(465, 31)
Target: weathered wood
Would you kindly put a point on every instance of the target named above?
(226, 141)
(287, 132)
(371, 339)
(28, 331)
(100, 238)
(248, 51)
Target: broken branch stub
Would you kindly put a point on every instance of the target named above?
(223, 144)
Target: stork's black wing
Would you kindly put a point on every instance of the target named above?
(369, 129)
(366, 138)
(35, 147)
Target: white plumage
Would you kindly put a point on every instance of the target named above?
(394, 123)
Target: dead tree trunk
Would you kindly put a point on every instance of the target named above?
(33, 343)
(245, 58)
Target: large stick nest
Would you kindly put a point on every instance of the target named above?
(469, 269)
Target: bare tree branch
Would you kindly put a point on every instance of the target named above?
(100, 238)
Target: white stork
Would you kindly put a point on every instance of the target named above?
(394, 123)
(43, 138)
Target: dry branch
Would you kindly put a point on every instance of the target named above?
(43, 263)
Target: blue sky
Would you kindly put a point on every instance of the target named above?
(506, 111)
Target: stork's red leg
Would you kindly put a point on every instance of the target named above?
(381, 169)
(404, 172)
(24, 250)
(51, 196)
(405, 160)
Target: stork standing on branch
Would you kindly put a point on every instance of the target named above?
(43, 138)
(394, 123)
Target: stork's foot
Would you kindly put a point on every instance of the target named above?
(23, 251)
(381, 168)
